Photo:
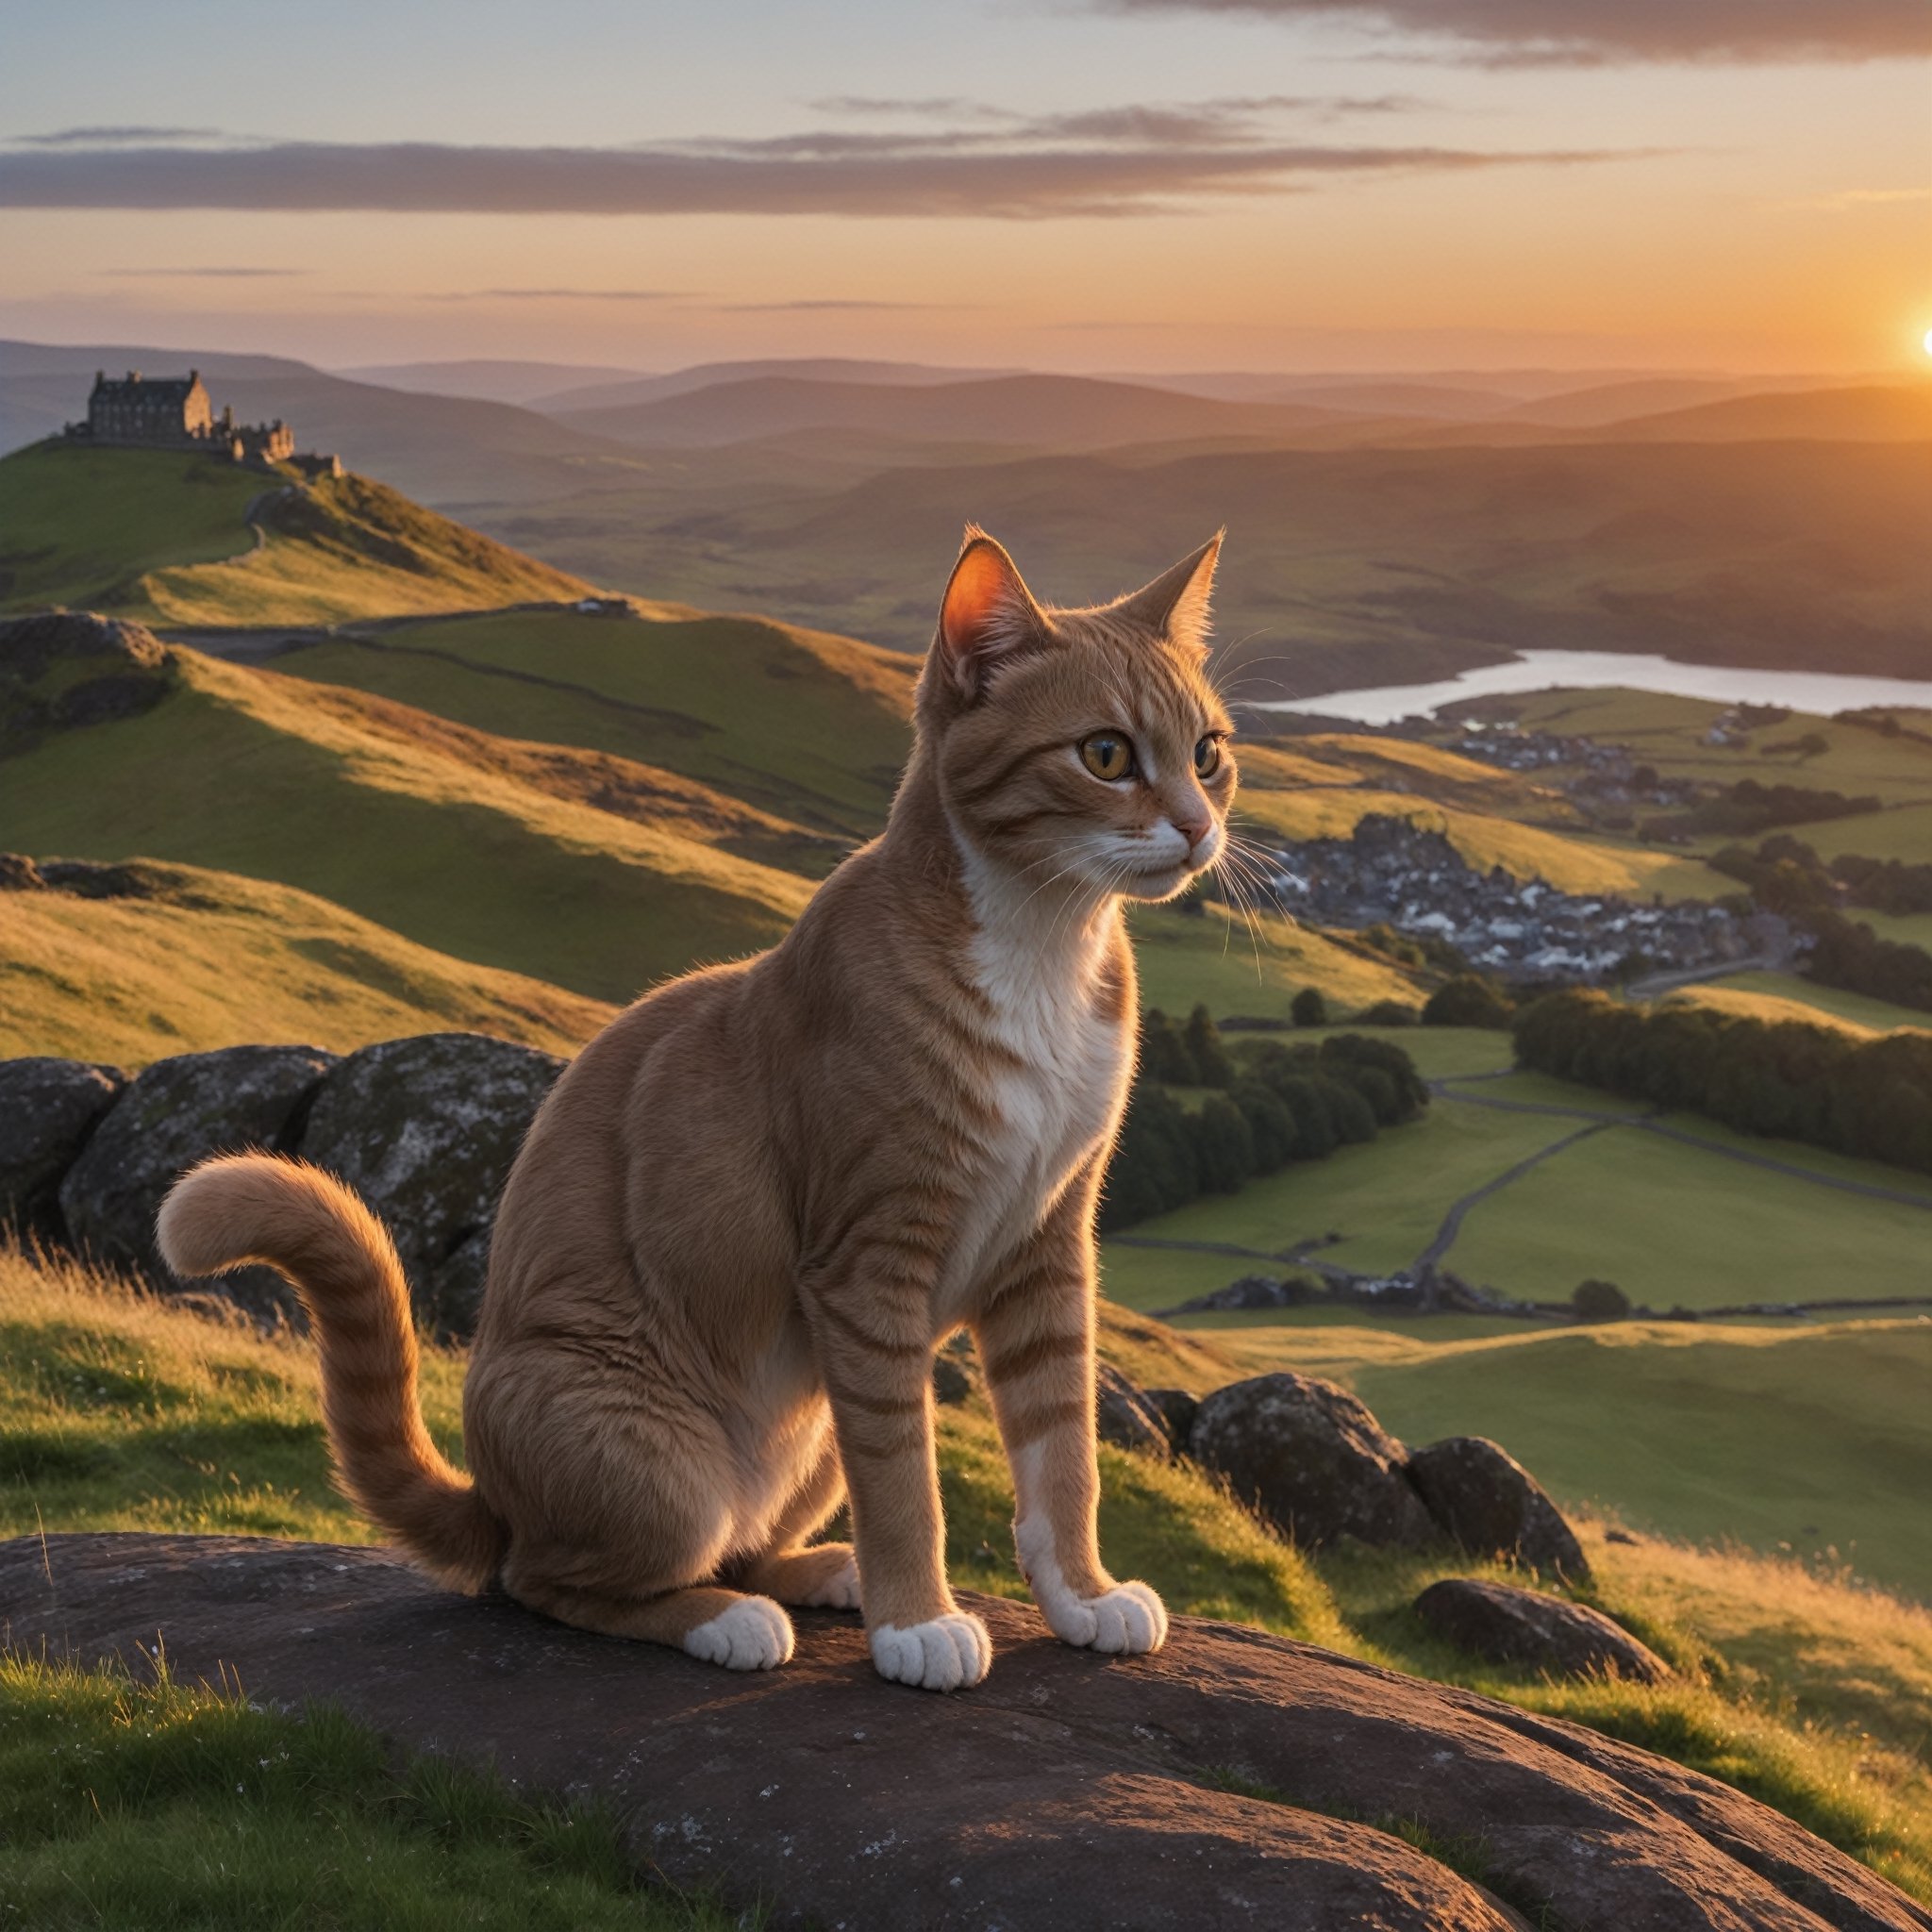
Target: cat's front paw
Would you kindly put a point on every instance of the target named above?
(836, 1592)
(1124, 1620)
(753, 1634)
(950, 1653)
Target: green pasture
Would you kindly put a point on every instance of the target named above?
(1902, 832)
(810, 726)
(1880, 1015)
(81, 526)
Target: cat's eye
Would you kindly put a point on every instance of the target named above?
(1108, 755)
(1208, 757)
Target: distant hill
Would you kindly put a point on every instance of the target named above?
(651, 389)
(181, 538)
(1871, 413)
(495, 381)
(448, 449)
(1038, 411)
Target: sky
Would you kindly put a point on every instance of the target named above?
(1108, 185)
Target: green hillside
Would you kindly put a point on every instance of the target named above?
(804, 724)
(578, 869)
(190, 959)
(186, 540)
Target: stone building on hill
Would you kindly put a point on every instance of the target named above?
(176, 412)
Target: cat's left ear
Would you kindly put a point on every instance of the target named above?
(1175, 603)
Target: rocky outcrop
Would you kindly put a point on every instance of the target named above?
(63, 668)
(1069, 1791)
(1311, 1459)
(426, 1130)
(1124, 1416)
(175, 1113)
(1179, 1410)
(1494, 1507)
(1519, 1627)
(48, 1108)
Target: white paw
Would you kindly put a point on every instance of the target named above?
(839, 1591)
(951, 1653)
(753, 1633)
(1125, 1620)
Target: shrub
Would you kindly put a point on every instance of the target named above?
(1468, 1000)
(1389, 1013)
(1310, 1009)
(1212, 1067)
(1224, 1148)
(1599, 1301)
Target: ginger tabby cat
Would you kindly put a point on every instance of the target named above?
(753, 1207)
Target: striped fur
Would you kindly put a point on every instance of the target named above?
(752, 1208)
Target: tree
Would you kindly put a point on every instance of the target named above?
(1389, 1013)
(1310, 1009)
(1599, 1301)
(1468, 1000)
(1212, 1067)
(1164, 1054)
(1224, 1148)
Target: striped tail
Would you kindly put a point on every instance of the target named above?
(242, 1208)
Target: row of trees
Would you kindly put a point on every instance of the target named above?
(1786, 877)
(1865, 1096)
(1279, 1103)
(1749, 806)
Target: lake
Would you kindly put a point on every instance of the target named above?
(1818, 692)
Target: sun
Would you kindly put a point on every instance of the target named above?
(1926, 344)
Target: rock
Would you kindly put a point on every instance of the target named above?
(175, 1113)
(1125, 1417)
(65, 668)
(426, 1130)
(1069, 1793)
(1309, 1458)
(1493, 1507)
(1177, 1409)
(1248, 1292)
(19, 873)
(48, 1108)
(1518, 1626)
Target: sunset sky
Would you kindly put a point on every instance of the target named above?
(1078, 184)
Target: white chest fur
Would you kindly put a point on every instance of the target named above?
(1052, 1083)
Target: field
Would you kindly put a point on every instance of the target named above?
(167, 538)
(1786, 997)
(1812, 1439)
(1703, 1219)
(204, 959)
(116, 1412)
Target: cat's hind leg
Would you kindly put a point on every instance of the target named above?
(720, 1626)
(793, 1568)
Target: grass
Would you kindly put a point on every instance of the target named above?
(152, 1805)
(812, 727)
(1903, 832)
(1256, 970)
(209, 960)
(123, 1412)
(466, 846)
(165, 538)
(1674, 1226)
(1775, 996)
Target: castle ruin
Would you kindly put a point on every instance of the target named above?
(176, 412)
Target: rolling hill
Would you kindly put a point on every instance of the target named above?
(181, 959)
(448, 449)
(181, 538)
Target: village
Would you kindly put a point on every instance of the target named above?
(1396, 873)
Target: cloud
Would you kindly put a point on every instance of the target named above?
(1860, 197)
(1592, 33)
(560, 295)
(1155, 162)
(817, 304)
(118, 137)
(170, 274)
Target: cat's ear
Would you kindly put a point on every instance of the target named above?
(988, 612)
(1175, 603)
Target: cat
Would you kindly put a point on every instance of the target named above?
(752, 1206)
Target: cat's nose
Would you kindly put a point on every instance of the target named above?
(1193, 825)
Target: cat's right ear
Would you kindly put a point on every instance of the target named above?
(988, 614)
